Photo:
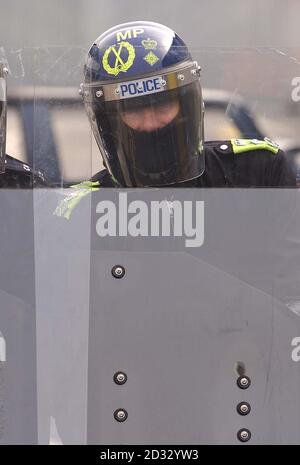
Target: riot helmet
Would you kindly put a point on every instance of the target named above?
(143, 97)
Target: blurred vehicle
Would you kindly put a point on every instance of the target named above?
(228, 117)
(47, 127)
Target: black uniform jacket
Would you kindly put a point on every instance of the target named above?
(20, 175)
(225, 168)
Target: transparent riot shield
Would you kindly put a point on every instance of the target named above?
(3, 74)
(160, 315)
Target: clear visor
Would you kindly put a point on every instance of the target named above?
(151, 140)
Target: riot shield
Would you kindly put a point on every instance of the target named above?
(156, 332)
(147, 316)
(3, 74)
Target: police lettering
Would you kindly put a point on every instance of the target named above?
(142, 87)
(129, 34)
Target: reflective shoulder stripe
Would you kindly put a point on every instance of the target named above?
(67, 205)
(247, 145)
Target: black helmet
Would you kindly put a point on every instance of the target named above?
(143, 97)
(3, 72)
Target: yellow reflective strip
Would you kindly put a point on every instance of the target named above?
(246, 145)
(86, 185)
(67, 205)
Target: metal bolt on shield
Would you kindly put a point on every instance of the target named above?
(120, 415)
(118, 271)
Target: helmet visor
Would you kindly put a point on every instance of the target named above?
(151, 140)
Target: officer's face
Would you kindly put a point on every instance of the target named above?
(150, 118)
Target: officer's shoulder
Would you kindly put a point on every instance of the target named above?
(104, 178)
(248, 147)
(13, 164)
(23, 171)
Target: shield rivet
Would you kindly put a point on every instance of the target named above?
(244, 435)
(118, 271)
(243, 382)
(120, 378)
(243, 408)
(120, 415)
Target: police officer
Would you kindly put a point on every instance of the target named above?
(143, 97)
(13, 173)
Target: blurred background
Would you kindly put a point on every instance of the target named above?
(249, 53)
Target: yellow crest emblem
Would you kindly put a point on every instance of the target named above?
(120, 64)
